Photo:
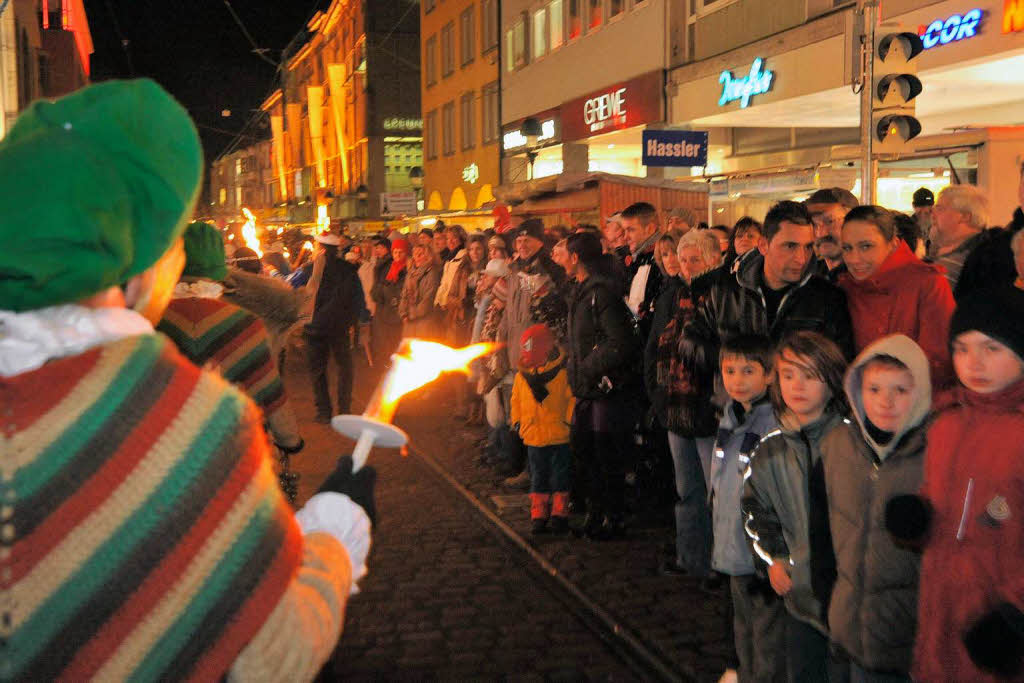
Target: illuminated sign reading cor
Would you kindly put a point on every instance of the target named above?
(951, 29)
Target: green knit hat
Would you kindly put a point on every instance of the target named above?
(94, 188)
(204, 251)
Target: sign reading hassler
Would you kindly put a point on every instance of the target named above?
(622, 105)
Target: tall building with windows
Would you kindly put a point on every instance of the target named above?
(460, 102)
(45, 47)
(345, 123)
(591, 73)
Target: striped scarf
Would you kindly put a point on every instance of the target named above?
(143, 532)
(232, 339)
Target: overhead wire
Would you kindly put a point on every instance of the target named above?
(120, 37)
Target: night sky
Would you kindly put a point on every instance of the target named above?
(195, 49)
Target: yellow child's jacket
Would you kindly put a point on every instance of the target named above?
(547, 423)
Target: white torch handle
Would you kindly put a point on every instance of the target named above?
(362, 449)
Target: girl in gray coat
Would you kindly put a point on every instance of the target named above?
(868, 460)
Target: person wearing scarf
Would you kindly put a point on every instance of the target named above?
(542, 405)
(389, 277)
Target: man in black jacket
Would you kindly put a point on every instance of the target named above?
(773, 292)
(642, 232)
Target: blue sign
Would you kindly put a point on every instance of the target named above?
(757, 82)
(675, 148)
(946, 31)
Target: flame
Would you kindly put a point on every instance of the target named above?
(323, 221)
(249, 232)
(416, 364)
(307, 245)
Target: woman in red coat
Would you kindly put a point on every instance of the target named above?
(891, 291)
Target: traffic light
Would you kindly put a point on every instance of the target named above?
(894, 88)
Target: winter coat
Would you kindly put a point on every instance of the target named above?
(602, 340)
(366, 271)
(786, 510)
(416, 306)
(974, 480)
(543, 423)
(453, 283)
(734, 446)
(990, 264)
(339, 301)
(873, 612)
(679, 392)
(529, 284)
(735, 305)
(904, 296)
(385, 295)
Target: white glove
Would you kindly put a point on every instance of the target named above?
(336, 514)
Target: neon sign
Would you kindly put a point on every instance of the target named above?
(515, 138)
(1013, 16)
(946, 31)
(471, 173)
(757, 82)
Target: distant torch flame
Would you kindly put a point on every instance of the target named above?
(249, 232)
(323, 221)
(418, 363)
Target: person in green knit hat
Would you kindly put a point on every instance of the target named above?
(143, 533)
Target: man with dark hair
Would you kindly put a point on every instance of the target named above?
(773, 292)
(923, 201)
(990, 264)
(644, 277)
(828, 208)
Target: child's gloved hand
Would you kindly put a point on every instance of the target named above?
(358, 486)
(996, 641)
(909, 519)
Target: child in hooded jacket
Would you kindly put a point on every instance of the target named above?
(969, 517)
(541, 406)
(784, 502)
(747, 365)
(878, 454)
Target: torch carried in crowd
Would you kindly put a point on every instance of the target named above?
(416, 364)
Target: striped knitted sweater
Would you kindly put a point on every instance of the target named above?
(143, 534)
(212, 331)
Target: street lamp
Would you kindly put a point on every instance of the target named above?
(531, 131)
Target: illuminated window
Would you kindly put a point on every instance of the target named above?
(515, 45)
(540, 33)
(555, 23)
(575, 18)
(223, 195)
(596, 13)
(615, 8)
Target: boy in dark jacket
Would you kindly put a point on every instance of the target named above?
(878, 454)
(970, 514)
(747, 370)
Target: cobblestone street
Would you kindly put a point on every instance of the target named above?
(449, 596)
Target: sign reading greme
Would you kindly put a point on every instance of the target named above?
(597, 110)
(614, 107)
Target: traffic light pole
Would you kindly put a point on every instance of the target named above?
(868, 164)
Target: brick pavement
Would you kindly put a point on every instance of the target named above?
(446, 599)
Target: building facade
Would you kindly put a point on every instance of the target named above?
(591, 73)
(460, 50)
(796, 127)
(345, 123)
(45, 47)
(244, 178)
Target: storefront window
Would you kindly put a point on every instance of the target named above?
(596, 13)
(555, 24)
(540, 32)
(575, 19)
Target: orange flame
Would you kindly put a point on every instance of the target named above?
(416, 364)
